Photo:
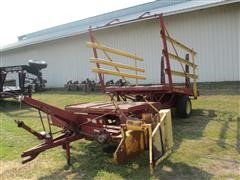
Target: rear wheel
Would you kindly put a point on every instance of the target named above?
(184, 107)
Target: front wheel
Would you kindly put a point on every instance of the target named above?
(184, 107)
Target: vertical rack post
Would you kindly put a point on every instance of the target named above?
(187, 79)
(194, 79)
(162, 71)
(165, 50)
(136, 71)
(101, 77)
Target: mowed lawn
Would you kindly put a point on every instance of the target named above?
(206, 146)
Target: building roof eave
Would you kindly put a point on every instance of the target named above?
(193, 6)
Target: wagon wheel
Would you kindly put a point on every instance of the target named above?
(184, 107)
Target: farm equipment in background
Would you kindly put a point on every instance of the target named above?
(26, 83)
(86, 85)
(90, 85)
(135, 119)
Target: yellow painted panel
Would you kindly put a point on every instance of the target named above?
(194, 80)
(168, 127)
(167, 136)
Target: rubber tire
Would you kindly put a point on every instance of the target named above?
(182, 110)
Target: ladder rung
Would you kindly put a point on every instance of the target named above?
(114, 51)
(115, 73)
(115, 64)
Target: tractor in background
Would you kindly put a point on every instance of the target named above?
(29, 78)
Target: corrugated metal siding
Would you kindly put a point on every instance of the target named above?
(141, 39)
(67, 59)
(214, 33)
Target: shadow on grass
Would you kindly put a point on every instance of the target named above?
(89, 161)
(93, 162)
(7, 105)
(225, 119)
(14, 109)
(193, 127)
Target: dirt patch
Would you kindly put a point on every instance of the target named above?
(221, 167)
(9, 169)
(16, 170)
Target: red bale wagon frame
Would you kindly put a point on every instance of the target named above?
(134, 120)
(165, 93)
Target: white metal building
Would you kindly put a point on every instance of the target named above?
(212, 27)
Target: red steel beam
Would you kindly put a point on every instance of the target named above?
(100, 75)
(165, 50)
(61, 115)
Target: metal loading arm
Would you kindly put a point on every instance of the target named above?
(21, 124)
(62, 140)
(61, 115)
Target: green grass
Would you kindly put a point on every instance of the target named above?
(206, 146)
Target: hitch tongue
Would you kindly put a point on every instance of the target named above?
(21, 124)
(32, 157)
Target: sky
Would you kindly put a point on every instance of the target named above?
(18, 17)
